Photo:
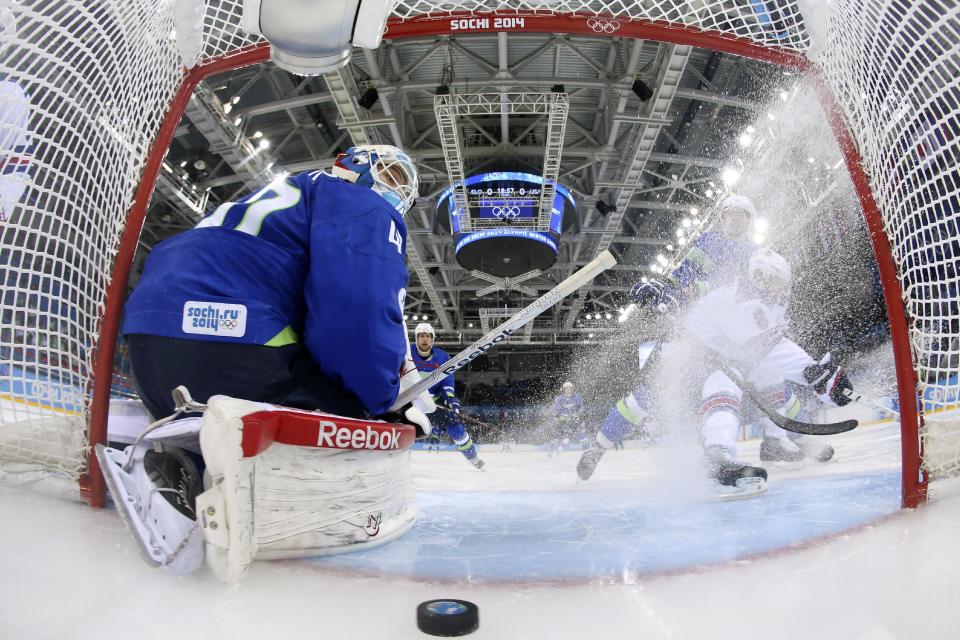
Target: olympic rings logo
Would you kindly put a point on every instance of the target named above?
(602, 25)
(508, 212)
(228, 324)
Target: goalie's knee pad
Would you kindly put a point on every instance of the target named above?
(285, 483)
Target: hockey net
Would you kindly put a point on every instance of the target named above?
(91, 92)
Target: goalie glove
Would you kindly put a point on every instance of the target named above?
(829, 381)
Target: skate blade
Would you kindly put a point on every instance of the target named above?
(111, 464)
(745, 488)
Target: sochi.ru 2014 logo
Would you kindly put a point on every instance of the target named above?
(214, 318)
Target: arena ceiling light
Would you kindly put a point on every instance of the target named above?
(313, 37)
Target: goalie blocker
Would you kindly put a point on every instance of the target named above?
(279, 483)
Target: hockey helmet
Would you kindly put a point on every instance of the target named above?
(770, 274)
(383, 168)
(742, 205)
(567, 385)
(424, 327)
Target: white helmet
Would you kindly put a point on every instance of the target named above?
(568, 385)
(739, 202)
(771, 274)
(383, 168)
(732, 225)
(424, 327)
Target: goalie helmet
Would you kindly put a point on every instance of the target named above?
(385, 169)
(771, 275)
(424, 327)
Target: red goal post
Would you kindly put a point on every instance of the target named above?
(104, 88)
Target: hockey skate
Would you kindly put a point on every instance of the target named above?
(812, 448)
(155, 492)
(589, 461)
(777, 450)
(734, 479)
(476, 462)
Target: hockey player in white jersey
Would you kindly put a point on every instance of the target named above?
(743, 326)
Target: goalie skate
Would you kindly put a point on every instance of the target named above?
(154, 493)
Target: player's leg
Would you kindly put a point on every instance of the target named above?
(777, 446)
(458, 434)
(720, 414)
(280, 375)
(624, 418)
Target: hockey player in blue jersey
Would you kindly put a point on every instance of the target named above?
(292, 295)
(715, 258)
(428, 359)
(568, 417)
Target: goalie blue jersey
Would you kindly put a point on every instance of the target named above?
(310, 259)
(443, 391)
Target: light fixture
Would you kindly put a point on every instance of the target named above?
(264, 143)
(257, 134)
(369, 98)
(588, 316)
(730, 176)
(607, 316)
(605, 209)
(589, 335)
(642, 90)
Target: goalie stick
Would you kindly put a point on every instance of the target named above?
(590, 270)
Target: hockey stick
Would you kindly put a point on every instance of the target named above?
(789, 424)
(590, 270)
(870, 402)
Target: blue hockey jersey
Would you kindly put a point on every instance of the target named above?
(443, 391)
(311, 258)
(568, 406)
(713, 259)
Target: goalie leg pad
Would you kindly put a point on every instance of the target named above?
(165, 535)
(289, 501)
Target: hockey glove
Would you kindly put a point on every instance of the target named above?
(454, 405)
(416, 418)
(646, 293)
(653, 295)
(829, 380)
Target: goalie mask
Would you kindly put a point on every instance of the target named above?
(770, 275)
(385, 169)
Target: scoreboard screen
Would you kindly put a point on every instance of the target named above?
(506, 196)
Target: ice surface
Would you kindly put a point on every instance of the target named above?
(824, 554)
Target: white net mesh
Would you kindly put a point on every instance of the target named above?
(83, 90)
(893, 66)
(85, 85)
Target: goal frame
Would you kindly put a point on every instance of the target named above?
(914, 477)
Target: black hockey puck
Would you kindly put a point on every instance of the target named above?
(447, 618)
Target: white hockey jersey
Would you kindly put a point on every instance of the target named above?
(747, 333)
